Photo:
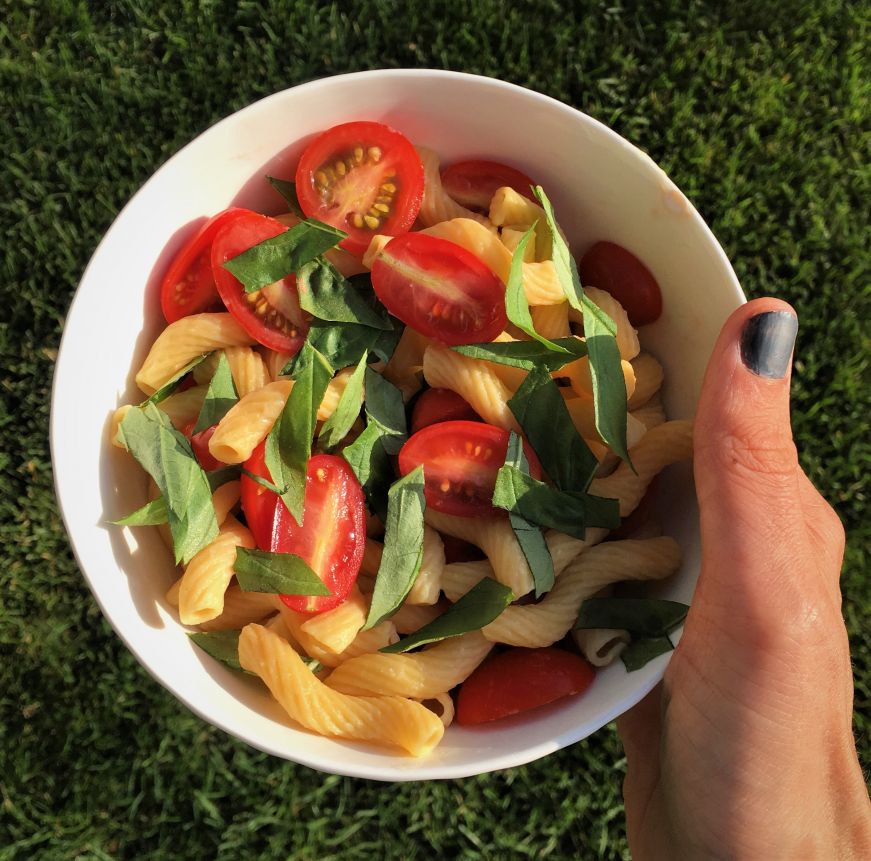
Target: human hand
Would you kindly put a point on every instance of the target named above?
(746, 750)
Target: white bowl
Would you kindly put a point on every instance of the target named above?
(602, 188)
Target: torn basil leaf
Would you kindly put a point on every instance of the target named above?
(337, 426)
(166, 455)
(609, 387)
(645, 617)
(476, 609)
(287, 190)
(221, 396)
(174, 382)
(385, 407)
(371, 464)
(541, 412)
(403, 547)
(527, 354)
(529, 535)
(643, 651)
(278, 573)
(263, 482)
(223, 646)
(288, 446)
(273, 259)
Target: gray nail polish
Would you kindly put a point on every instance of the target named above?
(767, 342)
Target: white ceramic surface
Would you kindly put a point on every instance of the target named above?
(602, 187)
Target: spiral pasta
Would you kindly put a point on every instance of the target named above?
(437, 205)
(240, 608)
(648, 380)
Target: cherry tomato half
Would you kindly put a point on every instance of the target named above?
(611, 267)
(440, 405)
(364, 178)
(189, 286)
(460, 461)
(200, 445)
(271, 316)
(439, 289)
(473, 183)
(333, 534)
(518, 680)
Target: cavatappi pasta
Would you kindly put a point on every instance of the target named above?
(356, 691)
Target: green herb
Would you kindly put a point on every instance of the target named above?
(647, 617)
(288, 445)
(263, 482)
(529, 536)
(477, 608)
(643, 651)
(166, 455)
(385, 407)
(609, 387)
(336, 427)
(273, 259)
(279, 573)
(287, 190)
(174, 382)
(221, 645)
(527, 354)
(221, 396)
(539, 503)
(342, 344)
(540, 410)
(372, 466)
(403, 547)
(327, 295)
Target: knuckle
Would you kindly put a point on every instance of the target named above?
(755, 452)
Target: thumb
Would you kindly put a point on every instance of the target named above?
(746, 467)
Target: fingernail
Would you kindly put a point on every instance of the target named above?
(767, 342)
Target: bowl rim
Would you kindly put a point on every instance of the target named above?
(491, 761)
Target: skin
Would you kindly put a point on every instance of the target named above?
(746, 750)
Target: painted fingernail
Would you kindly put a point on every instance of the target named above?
(767, 342)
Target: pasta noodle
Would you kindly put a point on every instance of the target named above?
(383, 720)
(651, 414)
(551, 321)
(601, 646)
(336, 629)
(411, 617)
(441, 705)
(437, 205)
(427, 584)
(248, 369)
(648, 380)
(240, 608)
(627, 336)
(275, 363)
(405, 367)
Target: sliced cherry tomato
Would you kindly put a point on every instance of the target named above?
(271, 316)
(473, 183)
(611, 267)
(189, 286)
(439, 289)
(440, 405)
(200, 445)
(518, 680)
(364, 178)
(333, 534)
(460, 461)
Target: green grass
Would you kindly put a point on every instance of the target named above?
(755, 109)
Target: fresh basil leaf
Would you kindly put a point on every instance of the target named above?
(647, 617)
(477, 608)
(541, 412)
(174, 382)
(288, 446)
(547, 506)
(287, 190)
(279, 573)
(222, 475)
(643, 651)
(371, 464)
(336, 427)
(273, 259)
(166, 455)
(342, 344)
(263, 482)
(529, 536)
(221, 396)
(516, 306)
(403, 547)
(221, 645)
(385, 407)
(325, 294)
(526, 354)
(609, 387)
(151, 514)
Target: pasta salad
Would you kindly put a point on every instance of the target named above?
(402, 457)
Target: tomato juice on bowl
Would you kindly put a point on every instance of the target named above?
(603, 189)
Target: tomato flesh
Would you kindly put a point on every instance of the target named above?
(611, 267)
(460, 461)
(364, 178)
(439, 289)
(271, 316)
(473, 183)
(333, 535)
(200, 445)
(440, 405)
(189, 286)
(518, 680)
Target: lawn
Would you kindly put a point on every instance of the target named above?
(756, 110)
